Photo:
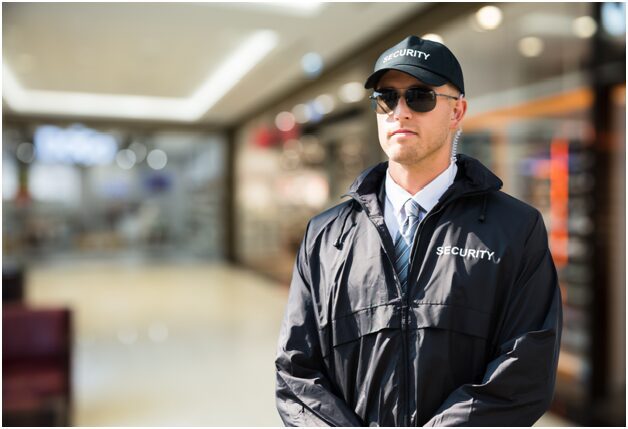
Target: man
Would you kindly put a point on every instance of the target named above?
(429, 298)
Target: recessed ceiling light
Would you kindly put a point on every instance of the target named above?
(312, 64)
(126, 159)
(285, 121)
(531, 46)
(351, 92)
(614, 18)
(584, 27)
(324, 103)
(139, 149)
(189, 109)
(298, 8)
(157, 159)
(26, 152)
(489, 17)
(229, 73)
(296, 5)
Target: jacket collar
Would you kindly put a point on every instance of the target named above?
(472, 178)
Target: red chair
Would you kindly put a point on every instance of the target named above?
(36, 366)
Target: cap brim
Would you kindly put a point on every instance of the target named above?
(423, 75)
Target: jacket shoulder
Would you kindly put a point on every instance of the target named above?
(520, 215)
(514, 206)
(326, 218)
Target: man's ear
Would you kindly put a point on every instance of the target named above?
(458, 112)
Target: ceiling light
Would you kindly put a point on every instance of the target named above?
(139, 149)
(295, 8)
(473, 23)
(489, 17)
(303, 7)
(312, 64)
(315, 113)
(324, 103)
(531, 46)
(26, 152)
(158, 332)
(351, 92)
(157, 159)
(433, 37)
(190, 109)
(232, 70)
(126, 159)
(584, 27)
(302, 113)
(285, 121)
(85, 104)
(614, 18)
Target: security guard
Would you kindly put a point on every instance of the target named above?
(429, 298)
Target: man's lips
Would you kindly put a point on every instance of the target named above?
(402, 132)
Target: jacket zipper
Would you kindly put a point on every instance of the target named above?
(405, 302)
(405, 381)
(405, 322)
(404, 332)
(405, 347)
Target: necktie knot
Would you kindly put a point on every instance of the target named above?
(412, 208)
(409, 226)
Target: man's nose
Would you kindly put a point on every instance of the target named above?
(401, 109)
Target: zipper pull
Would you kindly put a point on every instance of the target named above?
(404, 317)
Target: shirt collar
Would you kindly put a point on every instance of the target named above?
(395, 194)
(427, 197)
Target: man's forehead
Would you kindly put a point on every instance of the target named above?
(399, 78)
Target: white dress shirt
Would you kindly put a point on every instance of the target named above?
(396, 197)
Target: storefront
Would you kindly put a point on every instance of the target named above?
(72, 190)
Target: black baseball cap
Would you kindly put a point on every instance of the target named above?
(430, 62)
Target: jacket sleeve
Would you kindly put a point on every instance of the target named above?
(518, 383)
(304, 392)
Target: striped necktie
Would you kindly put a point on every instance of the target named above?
(405, 238)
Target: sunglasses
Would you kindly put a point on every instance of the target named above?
(418, 99)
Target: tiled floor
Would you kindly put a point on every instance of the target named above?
(183, 344)
(168, 345)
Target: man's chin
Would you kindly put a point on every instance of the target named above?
(402, 158)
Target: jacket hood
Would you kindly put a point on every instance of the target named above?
(472, 177)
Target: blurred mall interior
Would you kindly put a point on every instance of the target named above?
(160, 162)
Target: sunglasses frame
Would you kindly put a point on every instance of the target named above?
(386, 110)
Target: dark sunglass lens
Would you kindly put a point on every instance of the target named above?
(389, 99)
(421, 100)
(379, 106)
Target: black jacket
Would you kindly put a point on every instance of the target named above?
(474, 340)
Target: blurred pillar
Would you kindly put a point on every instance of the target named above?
(608, 70)
(230, 194)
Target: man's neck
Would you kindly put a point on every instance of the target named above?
(413, 178)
